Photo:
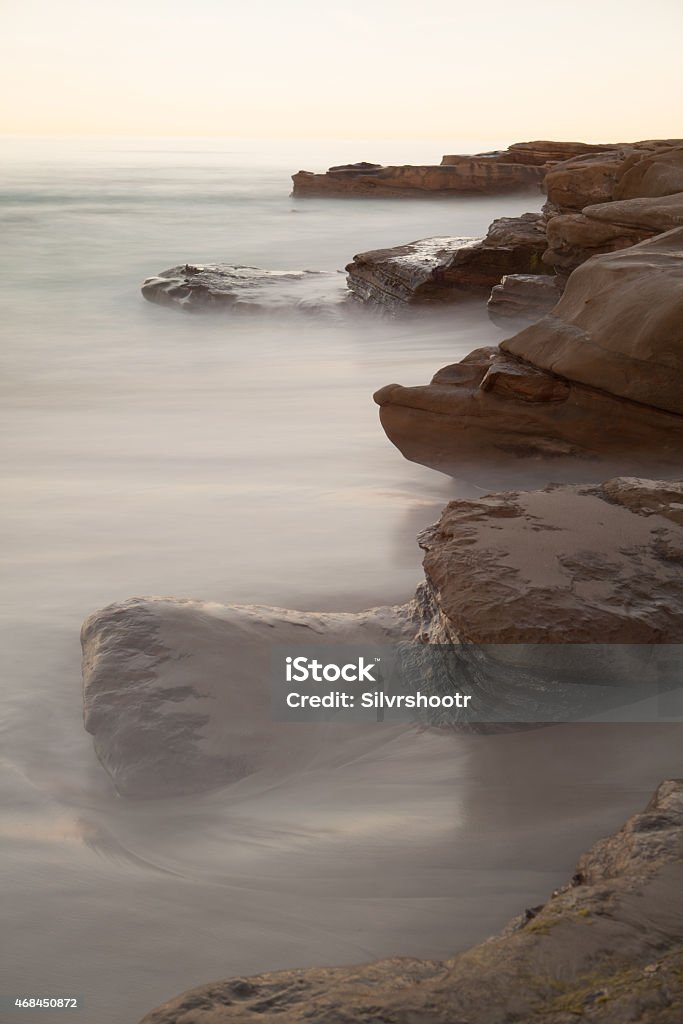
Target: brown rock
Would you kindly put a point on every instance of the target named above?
(523, 298)
(618, 325)
(575, 183)
(552, 575)
(437, 270)
(651, 174)
(652, 214)
(574, 237)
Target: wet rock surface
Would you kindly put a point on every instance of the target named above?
(443, 270)
(606, 947)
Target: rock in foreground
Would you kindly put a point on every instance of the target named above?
(606, 948)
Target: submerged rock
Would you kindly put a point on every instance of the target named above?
(606, 947)
(176, 693)
(194, 287)
(442, 270)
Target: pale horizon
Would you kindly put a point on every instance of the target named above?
(381, 71)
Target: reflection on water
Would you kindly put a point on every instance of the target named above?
(151, 452)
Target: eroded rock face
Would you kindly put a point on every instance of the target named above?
(652, 174)
(198, 287)
(539, 567)
(606, 947)
(441, 270)
(176, 693)
(618, 325)
(574, 237)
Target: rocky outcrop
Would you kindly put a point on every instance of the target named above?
(441, 270)
(623, 171)
(176, 693)
(523, 298)
(606, 947)
(552, 576)
(618, 326)
(519, 168)
(198, 287)
(607, 227)
(596, 378)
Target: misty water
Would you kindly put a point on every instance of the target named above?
(239, 459)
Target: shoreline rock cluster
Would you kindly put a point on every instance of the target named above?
(597, 203)
(593, 378)
(606, 947)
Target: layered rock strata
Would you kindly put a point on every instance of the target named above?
(443, 270)
(598, 377)
(606, 947)
(519, 168)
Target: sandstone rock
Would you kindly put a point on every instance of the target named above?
(576, 183)
(618, 325)
(606, 947)
(437, 270)
(652, 214)
(195, 287)
(176, 692)
(651, 174)
(552, 575)
(523, 298)
(463, 175)
(574, 237)
(523, 425)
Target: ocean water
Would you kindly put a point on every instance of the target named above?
(237, 459)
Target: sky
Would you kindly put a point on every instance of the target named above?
(598, 70)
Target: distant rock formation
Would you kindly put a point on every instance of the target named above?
(198, 287)
(606, 947)
(519, 168)
(599, 376)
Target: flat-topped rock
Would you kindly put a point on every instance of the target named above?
(534, 567)
(657, 214)
(605, 947)
(469, 175)
(440, 270)
(574, 237)
(199, 287)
